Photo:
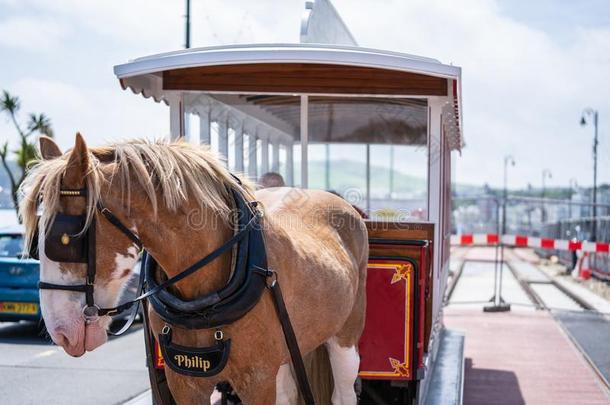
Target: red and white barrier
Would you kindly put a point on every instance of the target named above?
(492, 239)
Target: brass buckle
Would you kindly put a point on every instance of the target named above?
(271, 278)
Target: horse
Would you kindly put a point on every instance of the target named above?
(177, 198)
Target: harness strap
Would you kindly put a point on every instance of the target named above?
(292, 343)
(118, 224)
(50, 286)
(201, 263)
(91, 268)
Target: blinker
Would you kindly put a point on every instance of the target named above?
(63, 242)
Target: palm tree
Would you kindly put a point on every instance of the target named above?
(26, 152)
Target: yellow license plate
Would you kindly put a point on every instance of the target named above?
(18, 308)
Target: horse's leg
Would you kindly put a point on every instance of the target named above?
(258, 391)
(344, 361)
(187, 390)
(344, 358)
(287, 392)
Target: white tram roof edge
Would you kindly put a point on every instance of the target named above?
(286, 53)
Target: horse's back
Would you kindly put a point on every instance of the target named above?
(314, 217)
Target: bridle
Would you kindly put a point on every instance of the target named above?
(65, 242)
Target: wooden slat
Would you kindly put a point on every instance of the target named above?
(400, 230)
(303, 78)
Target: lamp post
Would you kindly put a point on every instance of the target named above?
(546, 174)
(591, 113)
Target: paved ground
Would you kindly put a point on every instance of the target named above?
(521, 357)
(592, 333)
(33, 371)
(527, 356)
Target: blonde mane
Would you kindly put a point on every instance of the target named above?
(174, 172)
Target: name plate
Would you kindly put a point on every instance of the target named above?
(194, 361)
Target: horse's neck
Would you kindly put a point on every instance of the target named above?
(178, 239)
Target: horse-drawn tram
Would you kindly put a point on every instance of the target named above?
(362, 265)
(376, 127)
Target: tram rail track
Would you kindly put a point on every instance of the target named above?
(560, 316)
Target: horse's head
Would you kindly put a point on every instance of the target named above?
(115, 254)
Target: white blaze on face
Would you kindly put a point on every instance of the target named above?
(61, 310)
(123, 266)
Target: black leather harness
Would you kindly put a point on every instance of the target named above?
(65, 243)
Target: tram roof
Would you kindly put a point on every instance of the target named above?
(286, 53)
(153, 76)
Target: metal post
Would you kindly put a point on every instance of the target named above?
(391, 171)
(265, 154)
(204, 127)
(239, 148)
(290, 165)
(275, 155)
(327, 167)
(573, 184)
(252, 158)
(499, 305)
(595, 142)
(591, 112)
(187, 42)
(304, 140)
(368, 179)
(545, 173)
(223, 139)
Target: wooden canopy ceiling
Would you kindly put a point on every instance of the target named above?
(310, 78)
(352, 120)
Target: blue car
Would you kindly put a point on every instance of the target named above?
(18, 279)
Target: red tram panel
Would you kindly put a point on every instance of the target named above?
(399, 290)
(385, 346)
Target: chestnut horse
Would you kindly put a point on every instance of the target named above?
(174, 196)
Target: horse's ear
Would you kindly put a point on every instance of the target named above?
(78, 164)
(48, 148)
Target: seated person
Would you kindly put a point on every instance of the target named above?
(271, 179)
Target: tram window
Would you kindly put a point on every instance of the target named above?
(399, 185)
(373, 151)
(191, 129)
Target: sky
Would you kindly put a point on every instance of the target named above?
(529, 68)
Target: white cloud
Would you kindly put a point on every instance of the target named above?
(523, 89)
(32, 34)
(100, 114)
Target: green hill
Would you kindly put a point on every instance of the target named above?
(347, 174)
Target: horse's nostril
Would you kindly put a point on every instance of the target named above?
(60, 338)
